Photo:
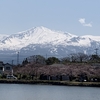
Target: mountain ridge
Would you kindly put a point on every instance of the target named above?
(39, 34)
(41, 40)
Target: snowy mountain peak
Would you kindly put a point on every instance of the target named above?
(41, 40)
(46, 38)
(95, 38)
(37, 35)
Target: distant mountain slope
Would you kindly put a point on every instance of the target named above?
(41, 40)
(38, 35)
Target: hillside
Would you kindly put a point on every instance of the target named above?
(43, 41)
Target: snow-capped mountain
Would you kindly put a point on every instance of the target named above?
(38, 35)
(43, 41)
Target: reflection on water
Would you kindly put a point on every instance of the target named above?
(47, 92)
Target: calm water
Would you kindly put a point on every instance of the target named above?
(47, 92)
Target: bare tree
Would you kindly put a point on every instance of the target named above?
(65, 59)
(82, 57)
(73, 57)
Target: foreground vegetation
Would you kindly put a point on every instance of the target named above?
(73, 71)
(78, 71)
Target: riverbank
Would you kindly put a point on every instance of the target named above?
(65, 83)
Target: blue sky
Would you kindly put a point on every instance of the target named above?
(79, 17)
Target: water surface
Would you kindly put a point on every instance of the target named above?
(47, 92)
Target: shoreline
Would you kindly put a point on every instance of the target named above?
(46, 82)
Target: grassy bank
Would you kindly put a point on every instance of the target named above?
(65, 83)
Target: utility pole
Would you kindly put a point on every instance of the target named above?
(17, 58)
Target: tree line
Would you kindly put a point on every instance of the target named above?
(72, 58)
(75, 66)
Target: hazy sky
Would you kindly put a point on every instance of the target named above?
(79, 17)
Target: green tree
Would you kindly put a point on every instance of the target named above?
(25, 61)
(37, 59)
(52, 60)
